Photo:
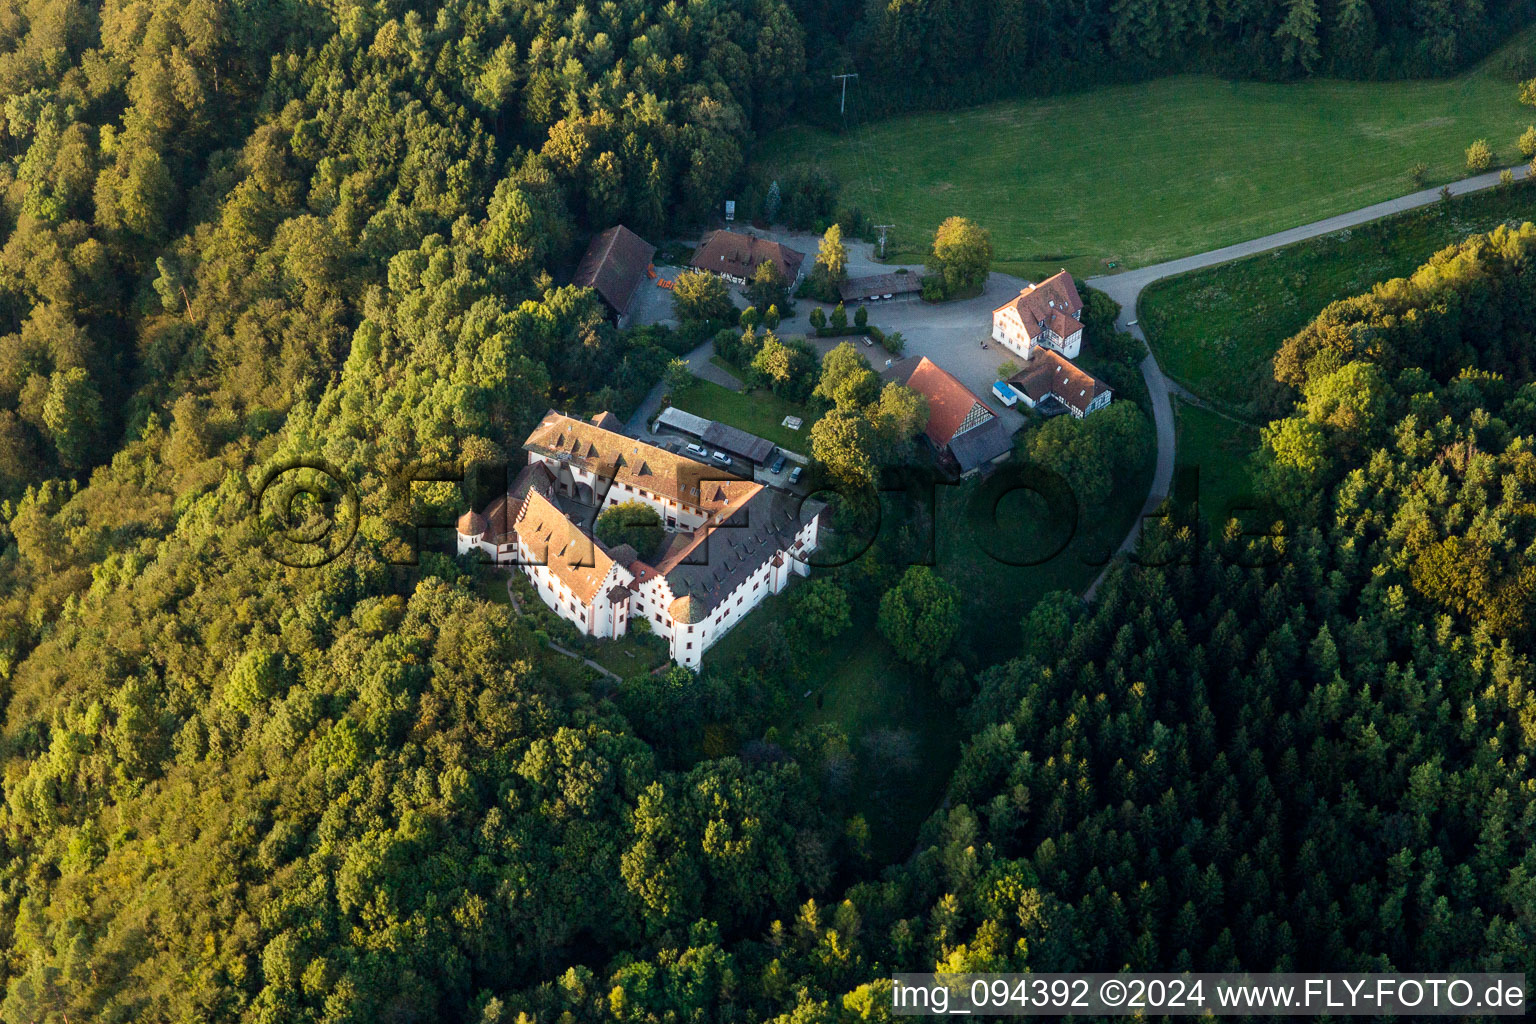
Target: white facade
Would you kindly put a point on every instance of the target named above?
(689, 640)
(621, 595)
(1010, 331)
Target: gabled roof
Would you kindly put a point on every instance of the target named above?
(722, 436)
(1052, 303)
(748, 522)
(977, 447)
(737, 442)
(715, 559)
(614, 265)
(952, 407)
(880, 284)
(1050, 373)
(616, 456)
(574, 558)
(738, 255)
(502, 513)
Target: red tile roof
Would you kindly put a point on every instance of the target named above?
(556, 542)
(643, 466)
(1050, 373)
(1053, 302)
(614, 265)
(952, 407)
(738, 255)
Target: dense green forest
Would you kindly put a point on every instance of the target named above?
(952, 53)
(241, 234)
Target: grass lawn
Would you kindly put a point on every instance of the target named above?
(1148, 172)
(727, 367)
(627, 657)
(493, 586)
(875, 699)
(1216, 329)
(864, 690)
(1022, 528)
(882, 704)
(758, 412)
(1219, 448)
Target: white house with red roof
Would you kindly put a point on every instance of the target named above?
(1046, 315)
(960, 426)
(1048, 375)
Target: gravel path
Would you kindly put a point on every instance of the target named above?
(1126, 288)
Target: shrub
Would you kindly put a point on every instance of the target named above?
(933, 289)
(818, 318)
(1417, 173)
(1506, 178)
(839, 316)
(1528, 142)
(861, 317)
(1479, 156)
(701, 297)
(678, 376)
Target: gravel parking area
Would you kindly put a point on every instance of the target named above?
(951, 334)
(653, 303)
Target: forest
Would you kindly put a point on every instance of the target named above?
(238, 235)
(954, 53)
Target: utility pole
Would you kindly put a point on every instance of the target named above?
(843, 106)
(883, 228)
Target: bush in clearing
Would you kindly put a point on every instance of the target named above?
(1479, 156)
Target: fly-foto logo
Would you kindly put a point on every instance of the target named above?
(1022, 515)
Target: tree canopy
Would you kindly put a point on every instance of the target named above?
(313, 249)
(630, 522)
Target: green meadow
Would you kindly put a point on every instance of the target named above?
(1142, 173)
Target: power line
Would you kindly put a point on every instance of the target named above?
(843, 104)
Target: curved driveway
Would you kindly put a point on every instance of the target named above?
(1126, 288)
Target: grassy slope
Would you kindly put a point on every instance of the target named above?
(863, 689)
(1219, 448)
(1216, 329)
(1149, 172)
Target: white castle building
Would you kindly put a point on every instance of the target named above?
(730, 542)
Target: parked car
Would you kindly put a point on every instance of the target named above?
(722, 458)
(699, 450)
(795, 474)
(778, 465)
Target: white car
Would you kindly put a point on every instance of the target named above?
(699, 450)
(722, 458)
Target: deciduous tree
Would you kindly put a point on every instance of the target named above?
(920, 616)
(961, 256)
